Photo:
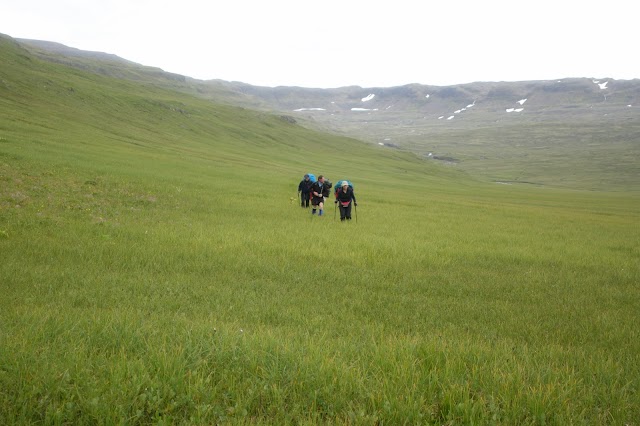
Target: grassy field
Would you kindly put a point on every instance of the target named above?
(154, 270)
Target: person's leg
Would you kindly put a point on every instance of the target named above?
(343, 212)
(302, 195)
(348, 211)
(321, 206)
(306, 200)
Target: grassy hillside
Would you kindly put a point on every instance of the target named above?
(566, 134)
(576, 133)
(154, 269)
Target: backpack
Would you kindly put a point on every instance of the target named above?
(339, 186)
(312, 177)
(326, 187)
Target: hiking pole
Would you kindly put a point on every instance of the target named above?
(355, 206)
(334, 211)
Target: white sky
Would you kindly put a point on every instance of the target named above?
(334, 43)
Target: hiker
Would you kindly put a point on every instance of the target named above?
(304, 191)
(344, 196)
(317, 197)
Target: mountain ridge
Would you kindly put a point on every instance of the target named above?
(493, 130)
(411, 96)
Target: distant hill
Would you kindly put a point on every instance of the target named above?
(578, 133)
(98, 62)
(574, 132)
(61, 49)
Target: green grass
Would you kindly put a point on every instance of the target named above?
(153, 269)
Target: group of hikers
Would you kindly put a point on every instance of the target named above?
(315, 191)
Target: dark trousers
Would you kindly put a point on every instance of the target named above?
(345, 212)
(304, 199)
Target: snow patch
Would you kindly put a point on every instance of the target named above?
(458, 111)
(603, 85)
(368, 98)
(427, 96)
(363, 109)
(521, 102)
(310, 109)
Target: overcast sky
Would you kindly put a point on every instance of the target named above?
(334, 43)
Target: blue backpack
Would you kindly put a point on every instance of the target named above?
(339, 185)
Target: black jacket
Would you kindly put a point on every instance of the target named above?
(317, 187)
(345, 197)
(305, 186)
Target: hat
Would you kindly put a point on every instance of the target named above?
(345, 183)
(306, 176)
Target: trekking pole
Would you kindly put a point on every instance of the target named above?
(334, 211)
(355, 206)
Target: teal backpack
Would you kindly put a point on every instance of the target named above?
(339, 185)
